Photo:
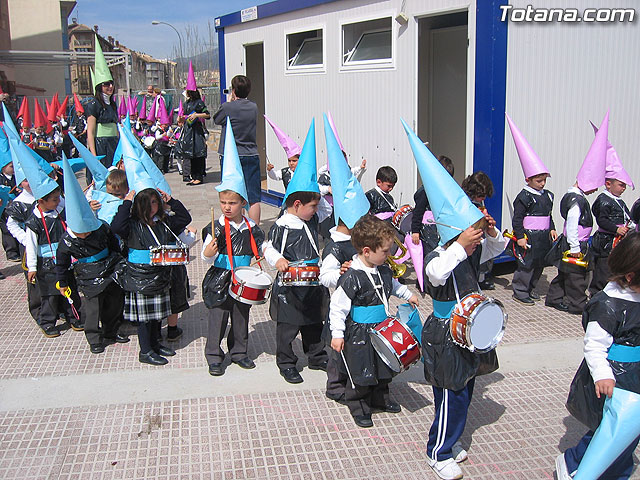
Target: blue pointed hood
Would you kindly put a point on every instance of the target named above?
(137, 176)
(143, 157)
(10, 129)
(305, 177)
(80, 217)
(98, 170)
(76, 164)
(5, 153)
(41, 183)
(109, 205)
(448, 201)
(349, 200)
(18, 173)
(232, 176)
(127, 122)
(7, 122)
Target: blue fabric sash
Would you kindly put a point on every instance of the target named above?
(370, 314)
(140, 256)
(443, 309)
(48, 251)
(94, 258)
(624, 353)
(222, 261)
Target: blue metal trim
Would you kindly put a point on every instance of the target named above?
(269, 10)
(222, 66)
(490, 98)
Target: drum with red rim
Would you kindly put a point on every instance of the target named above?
(402, 219)
(250, 285)
(169, 255)
(396, 344)
(301, 276)
(478, 323)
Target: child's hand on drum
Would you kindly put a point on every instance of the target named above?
(344, 267)
(337, 344)
(414, 301)
(604, 387)
(282, 265)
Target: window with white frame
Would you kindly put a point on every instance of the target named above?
(368, 42)
(304, 50)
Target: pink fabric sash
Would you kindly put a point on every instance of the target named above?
(385, 215)
(583, 233)
(531, 222)
(428, 215)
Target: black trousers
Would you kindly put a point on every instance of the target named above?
(33, 298)
(102, 314)
(571, 286)
(194, 167)
(361, 399)
(312, 344)
(336, 381)
(525, 281)
(601, 275)
(238, 337)
(53, 304)
(161, 161)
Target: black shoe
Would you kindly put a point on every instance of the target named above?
(15, 258)
(245, 363)
(51, 331)
(152, 358)
(216, 369)
(291, 375)
(77, 326)
(487, 285)
(96, 348)
(321, 366)
(174, 334)
(2, 276)
(186, 178)
(389, 407)
(164, 351)
(534, 296)
(526, 300)
(118, 339)
(558, 306)
(363, 421)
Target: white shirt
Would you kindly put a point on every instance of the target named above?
(12, 225)
(340, 305)
(276, 173)
(324, 189)
(571, 224)
(439, 268)
(330, 269)
(597, 340)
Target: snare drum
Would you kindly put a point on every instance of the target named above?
(402, 219)
(396, 344)
(149, 142)
(169, 255)
(478, 323)
(250, 285)
(301, 276)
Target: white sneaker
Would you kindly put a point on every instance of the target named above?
(561, 468)
(458, 453)
(447, 469)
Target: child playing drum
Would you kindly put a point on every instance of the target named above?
(294, 238)
(360, 302)
(450, 274)
(231, 242)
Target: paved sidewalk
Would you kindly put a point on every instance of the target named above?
(68, 414)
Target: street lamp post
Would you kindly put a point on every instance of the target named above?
(156, 22)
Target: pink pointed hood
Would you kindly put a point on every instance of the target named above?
(162, 112)
(133, 105)
(335, 131)
(591, 174)
(143, 111)
(122, 108)
(614, 168)
(291, 148)
(191, 79)
(181, 110)
(531, 163)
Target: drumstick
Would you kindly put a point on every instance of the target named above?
(353, 385)
(88, 187)
(445, 225)
(257, 260)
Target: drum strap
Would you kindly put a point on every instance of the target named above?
(227, 237)
(455, 287)
(379, 289)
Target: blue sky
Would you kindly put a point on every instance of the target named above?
(129, 21)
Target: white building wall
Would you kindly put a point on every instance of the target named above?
(559, 77)
(366, 105)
